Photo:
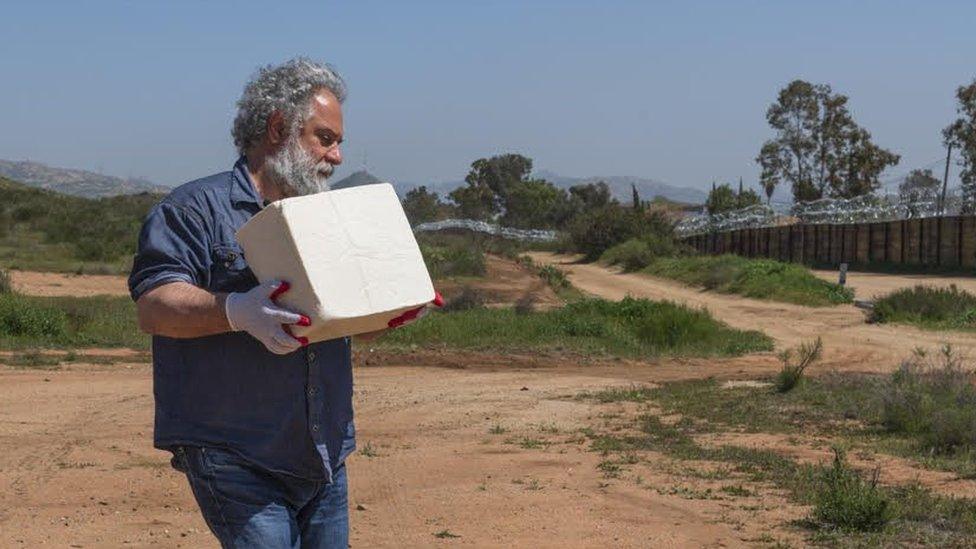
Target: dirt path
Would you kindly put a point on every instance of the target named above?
(485, 449)
(60, 284)
(873, 285)
(849, 342)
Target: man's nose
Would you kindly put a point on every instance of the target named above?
(334, 156)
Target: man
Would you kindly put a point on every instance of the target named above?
(258, 420)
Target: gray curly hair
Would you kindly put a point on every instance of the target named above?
(286, 88)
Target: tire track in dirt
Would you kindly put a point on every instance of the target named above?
(849, 341)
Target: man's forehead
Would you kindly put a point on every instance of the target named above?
(327, 109)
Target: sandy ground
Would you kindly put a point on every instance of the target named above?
(60, 284)
(873, 285)
(77, 467)
(849, 342)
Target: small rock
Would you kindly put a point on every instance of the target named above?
(360, 507)
(524, 389)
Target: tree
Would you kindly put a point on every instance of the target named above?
(746, 198)
(772, 168)
(590, 196)
(961, 134)
(818, 147)
(421, 206)
(721, 199)
(475, 202)
(636, 197)
(535, 204)
(918, 186)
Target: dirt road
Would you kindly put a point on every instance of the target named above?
(487, 448)
(849, 342)
(874, 285)
(60, 284)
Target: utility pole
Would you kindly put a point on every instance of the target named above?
(945, 181)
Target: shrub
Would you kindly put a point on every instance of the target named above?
(555, 278)
(22, 317)
(936, 403)
(595, 232)
(525, 305)
(792, 372)
(468, 298)
(847, 501)
(454, 260)
(637, 253)
(5, 285)
(755, 278)
(631, 327)
(928, 306)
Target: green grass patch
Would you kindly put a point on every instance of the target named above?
(754, 278)
(57, 322)
(631, 327)
(928, 307)
(849, 507)
(925, 411)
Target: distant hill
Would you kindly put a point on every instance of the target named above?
(355, 179)
(75, 182)
(621, 190)
(619, 186)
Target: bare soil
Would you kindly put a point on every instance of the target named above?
(874, 285)
(850, 343)
(60, 284)
(485, 447)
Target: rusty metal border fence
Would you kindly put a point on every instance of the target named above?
(945, 242)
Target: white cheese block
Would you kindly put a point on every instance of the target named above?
(349, 255)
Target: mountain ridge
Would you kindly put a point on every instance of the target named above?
(620, 186)
(75, 182)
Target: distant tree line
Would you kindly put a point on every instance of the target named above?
(821, 152)
(500, 189)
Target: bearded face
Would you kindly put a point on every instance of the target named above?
(296, 172)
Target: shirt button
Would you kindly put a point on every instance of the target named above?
(315, 427)
(311, 356)
(311, 391)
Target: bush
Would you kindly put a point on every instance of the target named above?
(637, 253)
(595, 232)
(525, 305)
(755, 278)
(792, 372)
(22, 317)
(928, 307)
(849, 502)
(6, 286)
(935, 403)
(454, 260)
(631, 327)
(469, 298)
(554, 277)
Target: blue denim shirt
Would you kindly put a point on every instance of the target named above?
(289, 413)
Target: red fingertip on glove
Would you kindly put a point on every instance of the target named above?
(438, 300)
(282, 288)
(304, 321)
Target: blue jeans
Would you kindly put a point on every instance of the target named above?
(247, 507)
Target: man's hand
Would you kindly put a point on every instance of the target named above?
(256, 313)
(414, 315)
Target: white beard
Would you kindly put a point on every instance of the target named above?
(296, 172)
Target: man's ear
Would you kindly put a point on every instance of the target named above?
(276, 128)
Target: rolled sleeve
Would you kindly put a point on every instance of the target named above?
(173, 247)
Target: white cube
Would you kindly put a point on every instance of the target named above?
(349, 255)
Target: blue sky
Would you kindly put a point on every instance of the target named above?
(671, 90)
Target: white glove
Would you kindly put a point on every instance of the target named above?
(256, 313)
(414, 315)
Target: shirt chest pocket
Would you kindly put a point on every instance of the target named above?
(229, 271)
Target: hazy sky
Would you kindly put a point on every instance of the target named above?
(671, 90)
